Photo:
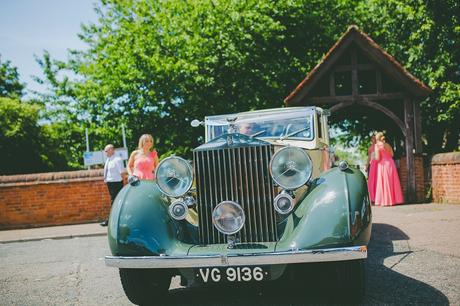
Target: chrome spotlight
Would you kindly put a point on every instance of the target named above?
(178, 210)
(228, 217)
(283, 203)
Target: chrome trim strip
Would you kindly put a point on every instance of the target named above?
(257, 199)
(251, 199)
(271, 191)
(239, 189)
(196, 261)
(204, 211)
(243, 162)
(219, 177)
(226, 159)
(211, 200)
(196, 160)
(234, 164)
(216, 174)
(267, 205)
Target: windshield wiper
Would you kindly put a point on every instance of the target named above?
(293, 133)
(257, 134)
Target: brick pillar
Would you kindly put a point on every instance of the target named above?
(419, 177)
(445, 177)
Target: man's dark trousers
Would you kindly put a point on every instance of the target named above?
(114, 189)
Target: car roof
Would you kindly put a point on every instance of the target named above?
(262, 113)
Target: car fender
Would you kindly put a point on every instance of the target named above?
(140, 224)
(334, 212)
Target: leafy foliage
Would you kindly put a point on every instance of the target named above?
(424, 36)
(10, 86)
(26, 146)
(156, 65)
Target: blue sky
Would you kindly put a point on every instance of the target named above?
(28, 27)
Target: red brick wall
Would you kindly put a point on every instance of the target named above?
(445, 176)
(419, 177)
(56, 198)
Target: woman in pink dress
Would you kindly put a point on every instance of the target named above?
(372, 170)
(143, 161)
(388, 188)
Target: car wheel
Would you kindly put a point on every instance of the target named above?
(145, 286)
(351, 280)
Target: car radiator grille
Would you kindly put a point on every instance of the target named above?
(240, 175)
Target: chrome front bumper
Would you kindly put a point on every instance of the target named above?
(225, 260)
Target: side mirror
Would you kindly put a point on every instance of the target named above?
(196, 123)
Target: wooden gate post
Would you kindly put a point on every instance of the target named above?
(409, 123)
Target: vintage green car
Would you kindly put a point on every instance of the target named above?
(259, 196)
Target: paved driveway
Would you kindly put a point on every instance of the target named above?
(413, 259)
(414, 255)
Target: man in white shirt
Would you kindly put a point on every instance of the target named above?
(113, 174)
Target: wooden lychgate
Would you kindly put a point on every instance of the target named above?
(358, 72)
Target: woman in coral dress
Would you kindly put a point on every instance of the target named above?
(143, 161)
(372, 171)
(388, 188)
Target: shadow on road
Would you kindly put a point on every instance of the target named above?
(384, 285)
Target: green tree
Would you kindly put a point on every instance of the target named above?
(424, 36)
(26, 145)
(156, 65)
(10, 86)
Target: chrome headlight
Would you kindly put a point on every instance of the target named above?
(291, 167)
(174, 176)
(228, 217)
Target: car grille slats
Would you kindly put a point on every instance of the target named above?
(241, 175)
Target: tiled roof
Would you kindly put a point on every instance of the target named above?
(353, 33)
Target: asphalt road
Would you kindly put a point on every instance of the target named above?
(413, 259)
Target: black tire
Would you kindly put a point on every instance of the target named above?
(145, 286)
(351, 280)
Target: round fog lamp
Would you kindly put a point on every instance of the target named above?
(283, 203)
(174, 176)
(178, 210)
(228, 217)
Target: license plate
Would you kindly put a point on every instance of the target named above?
(232, 274)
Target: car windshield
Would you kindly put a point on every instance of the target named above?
(292, 123)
